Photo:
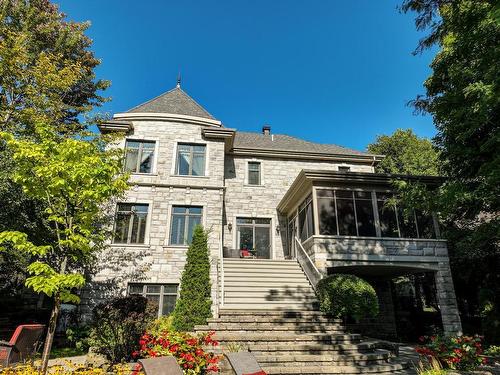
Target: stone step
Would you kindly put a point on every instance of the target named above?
(270, 305)
(285, 313)
(381, 356)
(286, 337)
(286, 326)
(298, 348)
(315, 369)
(233, 298)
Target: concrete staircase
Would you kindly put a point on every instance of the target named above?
(270, 309)
(266, 284)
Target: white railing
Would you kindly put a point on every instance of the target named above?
(221, 275)
(308, 266)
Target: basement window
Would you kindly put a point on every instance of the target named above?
(161, 295)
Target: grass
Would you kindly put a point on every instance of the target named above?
(63, 352)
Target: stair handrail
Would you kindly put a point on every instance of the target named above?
(311, 271)
(221, 275)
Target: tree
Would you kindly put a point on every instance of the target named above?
(46, 68)
(46, 76)
(463, 96)
(193, 306)
(76, 180)
(405, 153)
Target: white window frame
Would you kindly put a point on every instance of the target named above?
(148, 223)
(247, 180)
(139, 138)
(161, 294)
(170, 221)
(174, 171)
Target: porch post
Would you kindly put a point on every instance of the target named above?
(447, 300)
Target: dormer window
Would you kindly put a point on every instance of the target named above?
(254, 173)
(139, 156)
(190, 159)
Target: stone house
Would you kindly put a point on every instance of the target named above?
(281, 213)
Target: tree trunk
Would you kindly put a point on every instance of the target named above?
(50, 335)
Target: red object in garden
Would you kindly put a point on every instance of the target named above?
(160, 366)
(21, 345)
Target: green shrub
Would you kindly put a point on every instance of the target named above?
(78, 336)
(118, 326)
(193, 306)
(347, 296)
(162, 324)
(493, 350)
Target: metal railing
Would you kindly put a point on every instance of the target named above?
(308, 266)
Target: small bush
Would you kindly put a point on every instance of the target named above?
(193, 306)
(188, 349)
(347, 296)
(430, 366)
(454, 352)
(160, 325)
(78, 337)
(118, 325)
(493, 351)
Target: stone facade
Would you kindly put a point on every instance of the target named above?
(225, 194)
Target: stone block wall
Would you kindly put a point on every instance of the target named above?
(261, 201)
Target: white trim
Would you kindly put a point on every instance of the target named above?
(173, 169)
(272, 229)
(146, 243)
(261, 170)
(185, 203)
(167, 117)
(139, 138)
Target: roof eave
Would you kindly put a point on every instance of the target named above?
(113, 126)
(167, 117)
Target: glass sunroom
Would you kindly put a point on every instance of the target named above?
(351, 205)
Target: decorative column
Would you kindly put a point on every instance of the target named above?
(447, 300)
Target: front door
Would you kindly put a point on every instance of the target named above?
(254, 237)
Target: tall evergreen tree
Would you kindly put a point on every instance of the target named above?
(193, 306)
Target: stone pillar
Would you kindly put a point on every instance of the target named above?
(447, 300)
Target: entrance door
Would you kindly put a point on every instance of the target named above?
(290, 251)
(254, 237)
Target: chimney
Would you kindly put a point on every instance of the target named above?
(266, 130)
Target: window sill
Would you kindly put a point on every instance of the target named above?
(188, 176)
(134, 245)
(177, 246)
(143, 174)
(254, 186)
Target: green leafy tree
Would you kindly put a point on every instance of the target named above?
(193, 306)
(405, 153)
(75, 179)
(46, 76)
(463, 96)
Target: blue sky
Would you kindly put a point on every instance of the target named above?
(329, 71)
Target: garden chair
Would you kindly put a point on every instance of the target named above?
(244, 363)
(160, 366)
(22, 344)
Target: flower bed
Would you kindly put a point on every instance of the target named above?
(187, 348)
(454, 352)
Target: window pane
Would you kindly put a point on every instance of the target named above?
(177, 235)
(310, 220)
(135, 289)
(139, 208)
(168, 304)
(131, 159)
(425, 225)
(183, 164)
(262, 221)
(262, 242)
(345, 213)
(327, 217)
(170, 289)
(246, 238)
(153, 289)
(154, 300)
(199, 148)
(138, 228)
(387, 217)
(195, 210)
(241, 220)
(198, 164)
(253, 177)
(366, 220)
(179, 210)
(146, 161)
(121, 227)
(324, 193)
(148, 145)
(407, 225)
(193, 222)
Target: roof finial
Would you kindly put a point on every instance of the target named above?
(179, 80)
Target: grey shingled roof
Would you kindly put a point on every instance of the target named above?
(284, 142)
(175, 101)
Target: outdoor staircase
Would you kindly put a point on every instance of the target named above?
(270, 310)
(266, 284)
